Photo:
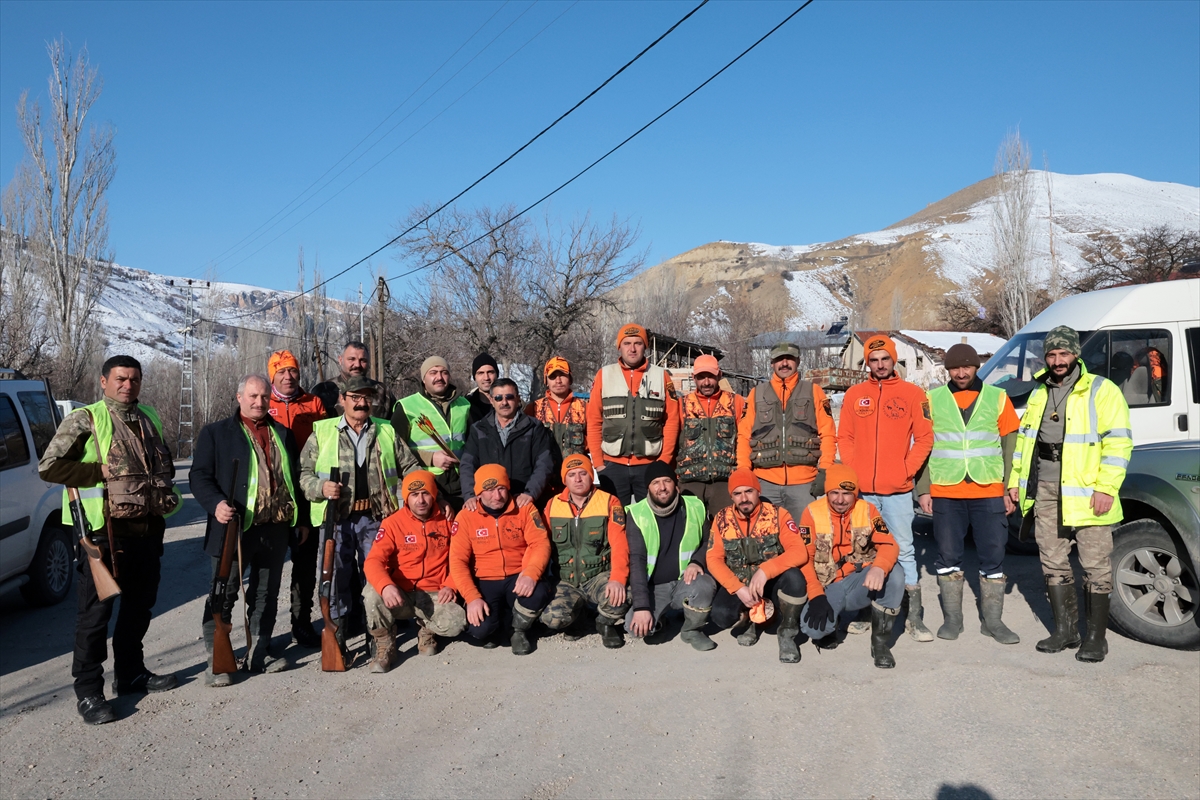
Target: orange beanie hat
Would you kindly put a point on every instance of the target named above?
(417, 481)
(633, 329)
(489, 476)
(279, 360)
(576, 461)
(743, 477)
(879, 342)
(840, 476)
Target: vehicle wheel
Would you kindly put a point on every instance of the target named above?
(50, 572)
(1154, 590)
(1015, 545)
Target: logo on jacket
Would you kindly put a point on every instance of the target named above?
(895, 408)
(410, 539)
(481, 533)
(379, 536)
(879, 525)
(864, 407)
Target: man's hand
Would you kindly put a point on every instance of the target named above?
(1101, 503)
(105, 471)
(332, 490)
(471, 504)
(747, 597)
(442, 460)
(304, 532)
(819, 613)
(692, 572)
(1009, 505)
(523, 500)
(757, 582)
(524, 586)
(445, 595)
(392, 597)
(874, 580)
(925, 501)
(1014, 494)
(642, 622)
(476, 611)
(225, 512)
(614, 593)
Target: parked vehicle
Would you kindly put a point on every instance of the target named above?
(37, 552)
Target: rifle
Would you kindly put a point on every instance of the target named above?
(332, 658)
(223, 661)
(106, 585)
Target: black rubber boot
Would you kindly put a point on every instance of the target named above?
(991, 606)
(694, 620)
(611, 635)
(1065, 604)
(749, 635)
(789, 628)
(1094, 647)
(522, 622)
(95, 710)
(305, 635)
(882, 621)
(914, 625)
(950, 591)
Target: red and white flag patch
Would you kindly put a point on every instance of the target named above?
(481, 533)
(410, 539)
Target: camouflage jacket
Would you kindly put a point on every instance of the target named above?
(382, 501)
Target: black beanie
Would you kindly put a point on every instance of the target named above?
(961, 355)
(660, 469)
(483, 360)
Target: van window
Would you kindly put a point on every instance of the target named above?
(40, 415)
(1193, 344)
(1139, 362)
(13, 449)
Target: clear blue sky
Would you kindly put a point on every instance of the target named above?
(851, 117)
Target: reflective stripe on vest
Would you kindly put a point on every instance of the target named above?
(972, 449)
(453, 433)
(252, 485)
(647, 521)
(328, 440)
(633, 424)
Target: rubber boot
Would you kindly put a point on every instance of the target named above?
(1065, 604)
(950, 589)
(1094, 647)
(694, 620)
(914, 625)
(611, 635)
(749, 635)
(991, 606)
(385, 650)
(522, 621)
(789, 628)
(882, 621)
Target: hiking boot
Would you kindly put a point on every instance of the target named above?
(146, 682)
(914, 626)
(218, 680)
(991, 606)
(950, 591)
(611, 634)
(1064, 602)
(749, 635)
(694, 620)
(829, 642)
(426, 642)
(882, 620)
(95, 710)
(522, 639)
(385, 650)
(861, 623)
(1094, 647)
(789, 628)
(305, 635)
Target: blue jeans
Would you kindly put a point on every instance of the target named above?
(898, 513)
(849, 594)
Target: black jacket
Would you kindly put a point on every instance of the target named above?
(527, 457)
(212, 471)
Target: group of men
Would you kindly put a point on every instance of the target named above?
(477, 513)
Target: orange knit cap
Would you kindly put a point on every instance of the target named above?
(557, 364)
(575, 461)
(632, 329)
(879, 342)
(840, 476)
(489, 476)
(279, 360)
(420, 480)
(743, 477)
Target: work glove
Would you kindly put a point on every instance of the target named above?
(819, 613)
(818, 484)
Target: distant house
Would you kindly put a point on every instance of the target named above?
(920, 353)
(817, 348)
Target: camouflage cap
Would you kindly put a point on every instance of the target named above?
(1062, 338)
(359, 384)
(782, 349)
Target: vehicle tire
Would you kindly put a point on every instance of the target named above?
(50, 572)
(1015, 545)
(1155, 594)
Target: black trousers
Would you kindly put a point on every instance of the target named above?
(625, 482)
(139, 562)
(304, 577)
(500, 598)
(727, 607)
(264, 548)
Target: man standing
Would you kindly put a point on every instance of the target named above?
(268, 499)
(484, 372)
(498, 558)
(563, 414)
(113, 453)
(787, 435)
(408, 574)
(296, 410)
(853, 556)
(1072, 452)
(756, 553)
(513, 440)
(591, 555)
(355, 362)
(632, 417)
(885, 435)
(708, 441)
(439, 404)
(963, 487)
(666, 560)
(366, 459)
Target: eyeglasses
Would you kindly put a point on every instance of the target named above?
(502, 397)
(354, 398)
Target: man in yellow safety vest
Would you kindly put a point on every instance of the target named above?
(437, 404)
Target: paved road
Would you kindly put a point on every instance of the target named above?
(965, 719)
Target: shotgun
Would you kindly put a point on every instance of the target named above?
(332, 658)
(223, 661)
(106, 585)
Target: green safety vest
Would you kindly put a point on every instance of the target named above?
(454, 433)
(644, 516)
(252, 486)
(581, 547)
(92, 497)
(972, 449)
(326, 431)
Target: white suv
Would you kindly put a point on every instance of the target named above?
(36, 550)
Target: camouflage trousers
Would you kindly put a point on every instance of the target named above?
(1095, 544)
(442, 619)
(570, 601)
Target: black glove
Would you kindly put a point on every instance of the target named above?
(818, 484)
(819, 613)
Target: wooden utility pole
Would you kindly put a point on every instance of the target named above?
(384, 295)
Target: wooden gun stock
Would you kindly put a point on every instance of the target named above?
(106, 585)
(223, 660)
(332, 659)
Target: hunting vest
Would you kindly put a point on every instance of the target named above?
(571, 433)
(453, 433)
(862, 549)
(580, 543)
(329, 459)
(263, 506)
(784, 436)
(970, 449)
(708, 450)
(633, 423)
(693, 530)
(744, 552)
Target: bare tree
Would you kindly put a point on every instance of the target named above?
(1054, 286)
(1149, 256)
(1012, 230)
(661, 304)
(23, 336)
(70, 176)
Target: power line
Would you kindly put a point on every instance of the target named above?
(518, 151)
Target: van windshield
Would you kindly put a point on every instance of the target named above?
(1013, 366)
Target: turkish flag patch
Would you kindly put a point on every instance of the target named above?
(410, 539)
(791, 526)
(482, 533)
(379, 536)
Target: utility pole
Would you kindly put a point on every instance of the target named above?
(384, 295)
(186, 431)
(362, 334)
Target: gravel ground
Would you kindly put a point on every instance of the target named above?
(964, 719)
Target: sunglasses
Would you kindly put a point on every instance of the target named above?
(501, 397)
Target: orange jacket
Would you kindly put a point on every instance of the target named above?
(886, 549)
(298, 414)
(729, 525)
(487, 548)
(595, 420)
(410, 554)
(707, 404)
(825, 429)
(617, 538)
(571, 410)
(885, 434)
